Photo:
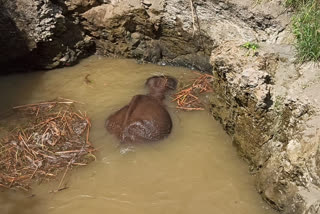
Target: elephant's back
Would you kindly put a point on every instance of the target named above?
(149, 120)
(150, 109)
(144, 119)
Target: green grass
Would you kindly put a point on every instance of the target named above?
(251, 47)
(297, 3)
(306, 28)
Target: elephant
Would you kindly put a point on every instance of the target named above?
(145, 119)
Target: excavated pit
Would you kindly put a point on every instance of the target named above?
(265, 101)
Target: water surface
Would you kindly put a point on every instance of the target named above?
(194, 170)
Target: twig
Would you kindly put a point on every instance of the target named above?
(193, 18)
(39, 104)
(87, 80)
(189, 108)
(45, 147)
(71, 151)
(74, 101)
(34, 172)
(64, 174)
(187, 98)
(87, 136)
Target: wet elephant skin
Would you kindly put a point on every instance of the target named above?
(145, 118)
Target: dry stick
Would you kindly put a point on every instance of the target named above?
(187, 103)
(87, 136)
(75, 101)
(194, 13)
(87, 142)
(28, 149)
(49, 124)
(182, 93)
(34, 172)
(59, 112)
(201, 39)
(27, 139)
(63, 115)
(80, 164)
(68, 125)
(193, 19)
(47, 121)
(37, 111)
(70, 151)
(189, 108)
(185, 96)
(191, 95)
(38, 104)
(78, 116)
(47, 156)
(87, 80)
(64, 174)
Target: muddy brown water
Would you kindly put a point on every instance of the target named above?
(195, 170)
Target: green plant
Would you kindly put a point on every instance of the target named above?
(250, 46)
(306, 28)
(296, 3)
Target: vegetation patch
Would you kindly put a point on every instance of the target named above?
(296, 3)
(306, 28)
(251, 47)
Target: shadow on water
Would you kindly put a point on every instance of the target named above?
(20, 90)
(16, 203)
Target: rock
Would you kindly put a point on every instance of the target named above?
(136, 36)
(146, 4)
(81, 5)
(43, 29)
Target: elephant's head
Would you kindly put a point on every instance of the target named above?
(159, 85)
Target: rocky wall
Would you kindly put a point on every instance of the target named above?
(40, 34)
(139, 30)
(174, 32)
(267, 125)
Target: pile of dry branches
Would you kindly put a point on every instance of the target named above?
(54, 137)
(187, 98)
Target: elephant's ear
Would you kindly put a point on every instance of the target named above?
(171, 83)
(163, 80)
